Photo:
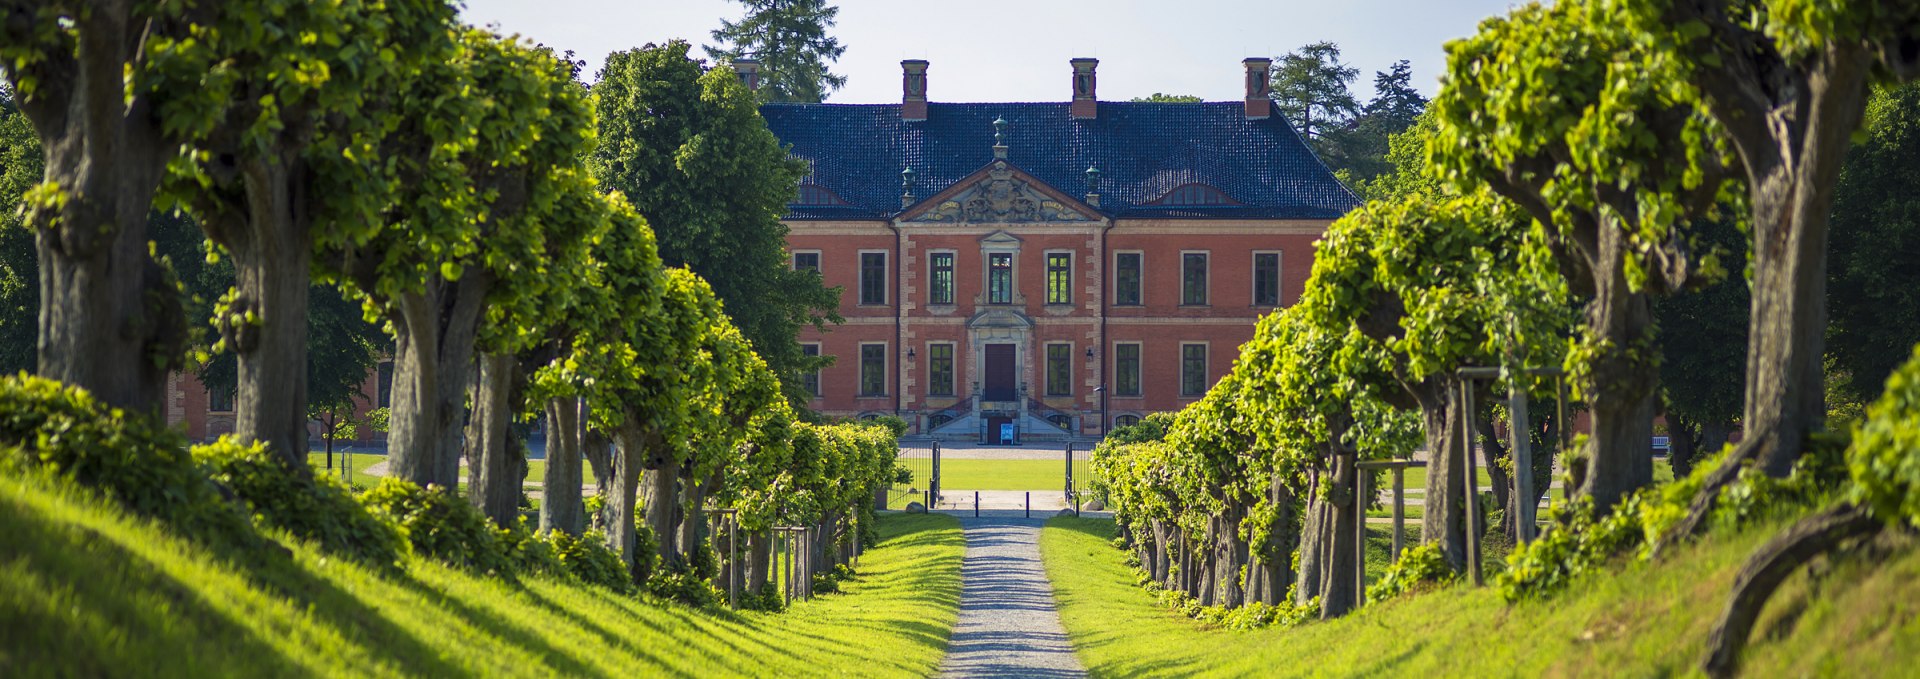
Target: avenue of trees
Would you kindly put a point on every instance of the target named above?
(1615, 188)
(359, 169)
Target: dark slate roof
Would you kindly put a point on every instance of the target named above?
(1142, 150)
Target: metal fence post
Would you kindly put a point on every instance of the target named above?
(976, 504)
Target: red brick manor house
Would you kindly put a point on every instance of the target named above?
(1026, 271)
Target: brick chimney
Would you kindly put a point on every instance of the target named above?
(1084, 107)
(913, 89)
(749, 72)
(1259, 106)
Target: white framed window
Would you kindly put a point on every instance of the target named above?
(1193, 277)
(1193, 369)
(873, 368)
(873, 277)
(1266, 277)
(806, 260)
(1129, 276)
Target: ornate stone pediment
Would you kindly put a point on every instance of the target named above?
(999, 194)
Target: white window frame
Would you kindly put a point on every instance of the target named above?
(793, 260)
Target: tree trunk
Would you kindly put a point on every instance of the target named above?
(1768, 567)
(1274, 557)
(1208, 553)
(598, 452)
(1161, 551)
(270, 239)
(760, 556)
(110, 320)
(1792, 148)
(1683, 445)
(1622, 377)
(433, 347)
(1498, 457)
(1327, 558)
(563, 510)
(621, 534)
(663, 505)
(1230, 557)
(491, 485)
(1444, 520)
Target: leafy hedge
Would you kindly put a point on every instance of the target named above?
(1884, 461)
(311, 507)
(1420, 567)
(1576, 541)
(64, 434)
(440, 525)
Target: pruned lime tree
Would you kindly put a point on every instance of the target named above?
(1565, 115)
(1787, 82)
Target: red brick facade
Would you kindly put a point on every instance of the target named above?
(909, 323)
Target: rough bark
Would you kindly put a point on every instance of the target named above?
(1768, 567)
(1791, 123)
(1444, 520)
(663, 505)
(434, 338)
(597, 450)
(1230, 553)
(760, 559)
(1497, 457)
(621, 533)
(491, 484)
(110, 321)
(563, 509)
(1621, 379)
(1327, 558)
(259, 210)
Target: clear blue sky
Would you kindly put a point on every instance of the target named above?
(1017, 50)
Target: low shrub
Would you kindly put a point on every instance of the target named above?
(440, 525)
(1884, 460)
(319, 509)
(64, 434)
(588, 559)
(686, 586)
(1420, 567)
(1575, 540)
(527, 551)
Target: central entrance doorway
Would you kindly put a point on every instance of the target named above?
(999, 388)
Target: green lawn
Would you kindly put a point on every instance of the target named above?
(1647, 620)
(85, 591)
(957, 475)
(360, 461)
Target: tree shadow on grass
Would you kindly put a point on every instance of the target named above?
(75, 602)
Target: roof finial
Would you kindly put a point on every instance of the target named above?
(999, 137)
(906, 188)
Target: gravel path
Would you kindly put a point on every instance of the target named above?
(1008, 624)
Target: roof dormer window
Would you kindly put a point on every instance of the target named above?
(815, 194)
(1194, 195)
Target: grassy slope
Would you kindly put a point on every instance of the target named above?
(85, 591)
(1647, 620)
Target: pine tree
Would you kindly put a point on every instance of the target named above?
(790, 40)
